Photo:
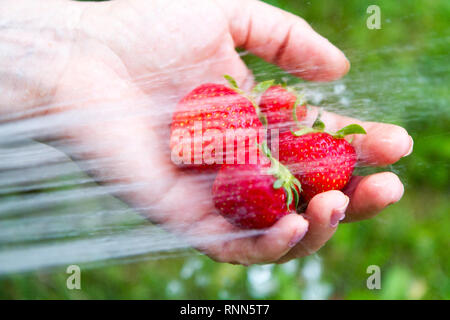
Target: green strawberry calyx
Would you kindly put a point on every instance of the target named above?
(301, 101)
(319, 126)
(284, 178)
(262, 87)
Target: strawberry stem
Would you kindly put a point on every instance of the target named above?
(299, 101)
(284, 178)
(319, 126)
(262, 87)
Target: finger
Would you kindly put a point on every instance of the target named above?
(284, 39)
(280, 238)
(324, 212)
(231, 65)
(383, 144)
(257, 246)
(205, 229)
(370, 195)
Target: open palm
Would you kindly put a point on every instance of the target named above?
(132, 60)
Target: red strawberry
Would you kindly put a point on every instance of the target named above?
(320, 161)
(255, 196)
(282, 107)
(204, 116)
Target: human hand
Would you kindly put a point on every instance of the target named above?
(128, 64)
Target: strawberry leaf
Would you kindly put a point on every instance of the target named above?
(231, 81)
(350, 129)
(318, 124)
(300, 100)
(297, 183)
(263, 86)
(294, 109)
(296, 197)
(289, 196)
(302, 131)
(278, 184)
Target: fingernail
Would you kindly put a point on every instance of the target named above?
(347, 65)
(411, 145)
(298, 236)
(338, 214)
(397, 195)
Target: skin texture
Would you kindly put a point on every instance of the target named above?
(122, 66)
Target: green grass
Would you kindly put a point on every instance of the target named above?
(409, 241)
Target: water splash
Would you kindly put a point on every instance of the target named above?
(52, 213)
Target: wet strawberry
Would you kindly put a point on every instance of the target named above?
(320, 161)
(255, 196)
(204, 120)
(282, 107)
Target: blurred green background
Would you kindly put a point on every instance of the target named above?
(400, 74)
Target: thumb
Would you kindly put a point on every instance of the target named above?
(284, 39)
